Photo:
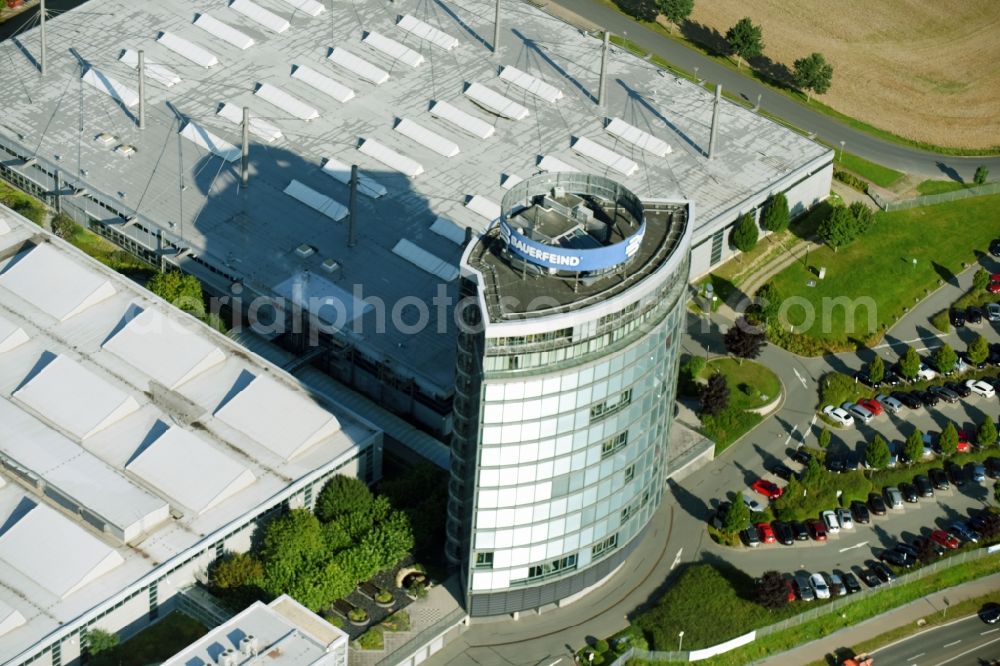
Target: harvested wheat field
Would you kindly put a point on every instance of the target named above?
(923, 69)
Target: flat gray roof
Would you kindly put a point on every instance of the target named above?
(194, 196)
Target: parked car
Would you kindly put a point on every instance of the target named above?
(955, 473)
(850, 582)
(871, 405)
(850, 461)
(973, 315)
(944, 393)
(959, 389)
(990, 613)
(893, 498)
(835, 463)
(908, 549)
(928, 398)
(993, 357)
(891, 405)
(995, 247)
(830, 521)
(845, 519)
(783, 533)
(876, 504)
(860, 513)
(979, 387)
(944, 539)
(799, 530)
(751, 537)
(966, 363)
(960, 529)
(890, 377)
(964, 442)
(857, 411)
(926, 373)
(882, 571)
(993, 311)
(957, 317)
(994, 287)
(896, 557)
(816, 529)
(938, 478)
(801, 456)
(768, 489)
(836, 584)
(863, 377)
(923, 484)
(920, 542)
(752, 504)
(765, 532)
(908, 491)
(992, 465)
(975, 472)
(782, 471)
(869, 578)
(804, 586)
(819, 586)
(839, 416)
(908, 399)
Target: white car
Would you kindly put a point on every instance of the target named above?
(831, 522)
(980, 387)
(890, 404)
(838, 416)
(857, 411)
(845, 519)
(925, 373)
(819, 586)
(753, 504)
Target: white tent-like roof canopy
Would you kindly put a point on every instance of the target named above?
(30, 277)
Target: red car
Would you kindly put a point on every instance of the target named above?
(942, 538)
(963, 442)
(766, 533)
(767, 488)
(872, 406)
(817, 530)
(791, 590)
(994, 287)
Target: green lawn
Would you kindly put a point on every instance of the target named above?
(764, 386)
(940, 186)
(872, 282)
(154, 644)
(876, 173)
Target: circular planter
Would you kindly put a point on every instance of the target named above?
(360, 623)
(385, 604)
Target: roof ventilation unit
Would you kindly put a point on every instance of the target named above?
(248, 646)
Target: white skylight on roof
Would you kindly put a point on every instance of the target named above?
(30, 278)
(342, 172)
(197, 134)
(496, 103)
(319, 202)
(322, 298)
(111, 86)
(258, 14)
(393, 49)
(186, 49)
(74, 399)
(418, 28)
(427, 138)
(284, 420)
(448, 229)
(11, 335)
(424, 260)
(157, 72)
(553, 164)
(286, 102)
(258, 126)
(190, 471)
(531, 84)
(462, 120)
(360, 67)
(510, 180)
(323, 83)
(56, 553)
(605, 156)
(482, 206)
(621, 129)
(10, 618)
(391, 158)
(224, 31)
(310, 7)
(4, 227)
(165, 348)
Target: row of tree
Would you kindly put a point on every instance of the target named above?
(845, 223)
(944, 359)
(774, 218)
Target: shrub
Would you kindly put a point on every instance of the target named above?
(849, 179)
(941, 322)
(398, 621)
(342, 495)
(836, 388)
(99, 641)
(776, 213)
(373, 639)
(383, 596)
(982, 173)
(744, 234)
(981, 279)
(824, 437)
(844, 224)
(601, 645)
(357, 615)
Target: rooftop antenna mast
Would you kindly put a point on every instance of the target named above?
(245, 148)
(602, 90)
(142, 90)
(41, 13)
(715, 121)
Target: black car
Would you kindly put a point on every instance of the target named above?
(973, 315)
(782, 472)
(869, 578)
(801, 456)
(995, 247)
(908, 491)
(882, 571)
(783, 533)
(975, 472)
(863, 377)
(944, 393)
(751, 537)
(977, 522)
(923, 484)
(994, 357)
(851, 461)
(897, 558)
(938, 478)
(835, 464)
(876, 504)
(890, 377)
(850, 582)
(978, 366)
(990, 613)
(955, 473)
(799, 530)
(927, 398)
(957, 317)
(860, 513)
(908, 549)
(923, 543)
(992, 465)
(908, 399)
(959, 388)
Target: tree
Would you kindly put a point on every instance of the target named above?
(913, 449)
(737, 516)
(812, 473)
(771, 591)
(776, 213)
(876, 370)
(945, 358)
(877, 453)
(715, 395)
(744, 234)
(690, 371)
(676, 11)
(813, 74)
(293, 547)
(181, 290)
(745, 40)
(986, 435)
(342, 495)
(769, 301)
(982, 173)
(981, 279)
(743, 340)
(837, 229)
(235, 570)
(978, 350)
(909, 363)
(824, 437)
(948, 441)
(864, 217)
(99, 641)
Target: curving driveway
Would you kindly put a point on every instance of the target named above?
(897, 156)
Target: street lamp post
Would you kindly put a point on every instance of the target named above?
(841, 159)
(680, 640)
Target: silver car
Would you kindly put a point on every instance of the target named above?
(893, 497)
(857, 411)
(819, 585)
(891, 404)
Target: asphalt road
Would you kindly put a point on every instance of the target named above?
(894, 155)
(965, 642)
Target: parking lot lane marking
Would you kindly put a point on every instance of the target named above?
(947, 645)
(801, 379)
(962, 654)
(789, 438)
(677, 559)
(857, 545)
(988, 631)
(915, 656)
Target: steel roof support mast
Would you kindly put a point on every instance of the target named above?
(41, 13)
(142, 90)
(496, 31)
